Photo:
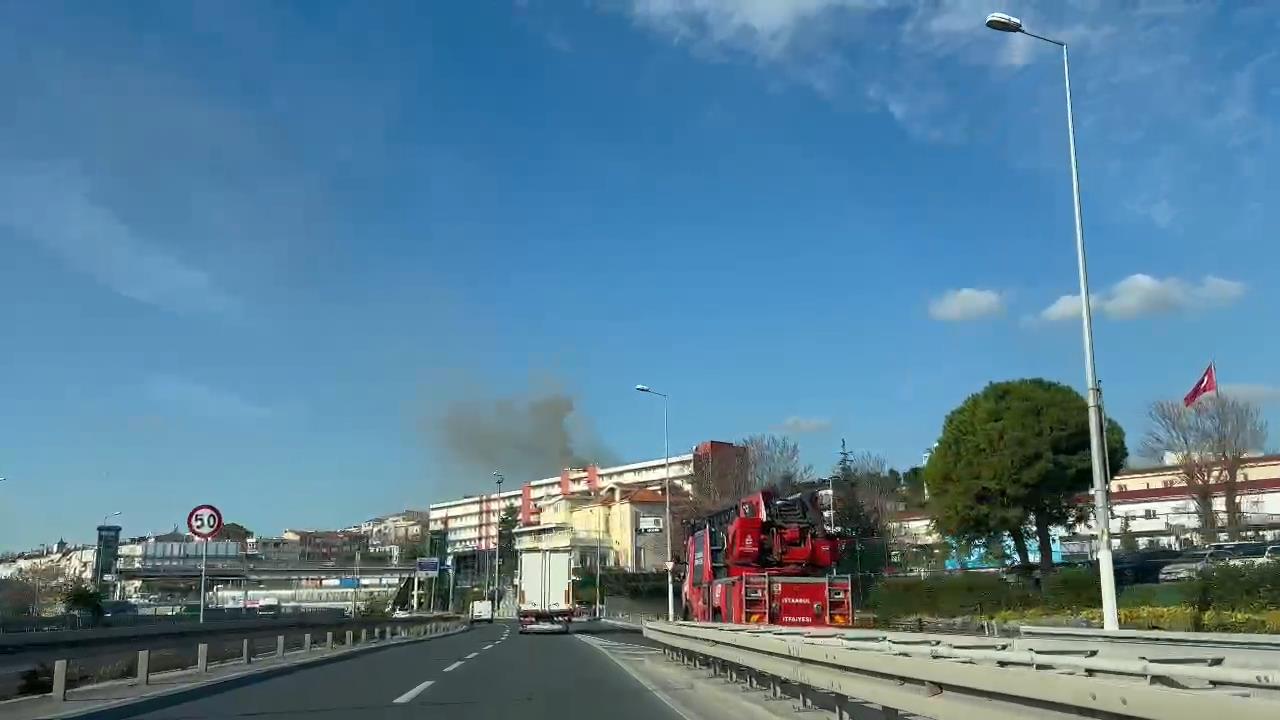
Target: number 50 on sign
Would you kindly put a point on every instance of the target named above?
(204, 521)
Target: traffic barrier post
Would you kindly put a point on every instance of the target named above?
(246, 651)
(202, 657)
(144, 667)
(279, 646)
(364, 635)
(350, 638)
(306, 642)
(328, 639)
(60, 680)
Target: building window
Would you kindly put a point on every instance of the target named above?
(1168, 483)
(1122, 487)
(1149, 513)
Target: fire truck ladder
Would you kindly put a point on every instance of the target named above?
(755, 597)
(840, 599)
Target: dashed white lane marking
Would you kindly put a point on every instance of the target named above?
(486, 647)
(472, 655)
(417, 690)
(454, 666)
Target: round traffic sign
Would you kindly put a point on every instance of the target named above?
(204, 521)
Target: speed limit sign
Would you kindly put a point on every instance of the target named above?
(204, 521)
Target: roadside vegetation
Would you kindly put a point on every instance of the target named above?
(1226, 598)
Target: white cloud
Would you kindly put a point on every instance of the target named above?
(966, 304)
(797, 425)
(1141, 295)
(54, 207)
(197, 399)
(1064, 308)
(1140, 64)
(1252, 392)
(763, 27)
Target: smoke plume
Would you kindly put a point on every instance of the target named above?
(525, 438)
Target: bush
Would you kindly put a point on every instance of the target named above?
(1248, 588)
(1071, 589)
(948, 596)
(1158, 595)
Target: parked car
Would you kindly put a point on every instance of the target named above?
(1256, 554)
(1192, 564)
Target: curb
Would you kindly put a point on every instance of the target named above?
(161, 698)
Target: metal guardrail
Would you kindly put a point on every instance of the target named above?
(247, 652)
(978, 677)
(72, 621)
(1198, 639)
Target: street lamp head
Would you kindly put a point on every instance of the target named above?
(1004, 23)
(643, 388)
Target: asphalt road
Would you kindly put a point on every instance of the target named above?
(488, 673)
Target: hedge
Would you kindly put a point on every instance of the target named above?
(1225, 596)
(949, 596)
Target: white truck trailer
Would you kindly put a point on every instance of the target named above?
(545, 590)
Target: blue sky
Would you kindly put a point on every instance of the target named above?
(252, 255)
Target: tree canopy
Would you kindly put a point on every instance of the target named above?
(1015, 455)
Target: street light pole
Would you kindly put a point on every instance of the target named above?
(1097, 441)
(666, 492)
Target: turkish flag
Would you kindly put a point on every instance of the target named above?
(1208, 382)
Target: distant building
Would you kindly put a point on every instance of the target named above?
(321, 546)
(471, 523)
(624, 527)
(274, 550)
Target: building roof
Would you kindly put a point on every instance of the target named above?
(1246, 463)
(1182, 492)
(576, 474)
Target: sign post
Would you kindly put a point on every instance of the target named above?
(204, 521)
(425, 567)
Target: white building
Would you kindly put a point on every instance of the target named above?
(1157, 508)
(471, 523)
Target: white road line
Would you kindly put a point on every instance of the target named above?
(414, 692)
(486, 647)
(472, 655)
(454, 666)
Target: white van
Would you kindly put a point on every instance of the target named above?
(482, 611)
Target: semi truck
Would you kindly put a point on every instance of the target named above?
(766, 560)
(545, 590)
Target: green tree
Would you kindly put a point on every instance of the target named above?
(84, 599)
(1015, 456)
(913, 488)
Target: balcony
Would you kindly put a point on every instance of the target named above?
(542, 537)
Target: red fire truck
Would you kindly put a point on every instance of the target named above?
(765, 560)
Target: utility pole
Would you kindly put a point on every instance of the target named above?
(599, 570)
(355, 591)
